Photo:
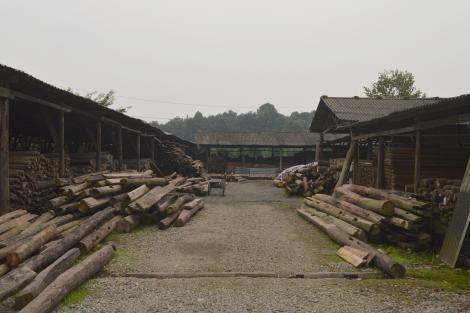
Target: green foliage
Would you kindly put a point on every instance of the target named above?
(104, 99)
(394, 83)
(442, 277)
(265, 119)
(78, 295)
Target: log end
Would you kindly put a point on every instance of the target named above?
(13, 259)
(397, 270)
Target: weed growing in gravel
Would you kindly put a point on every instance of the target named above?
(78, 295)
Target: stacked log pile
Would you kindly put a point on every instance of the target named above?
(171, 158)
(85, 162)
(145, 164)
(38, 251)
(358, 214)
(307, 180)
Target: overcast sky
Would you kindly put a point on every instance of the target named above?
(216, 55)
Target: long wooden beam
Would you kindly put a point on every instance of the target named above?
(379, 183)
(417, 169)
(347, 163)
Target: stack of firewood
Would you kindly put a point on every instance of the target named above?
(85, 162)
(359, 214)
(307, 180)
(145, 164)
(38, 251)
(171, 158)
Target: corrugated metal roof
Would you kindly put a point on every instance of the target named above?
(338, 111)
(265, 139)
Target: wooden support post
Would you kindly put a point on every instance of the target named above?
(319, 148)
(52, 130)
(4, 156)
(98, 146)
(417, 173)
(119, 148)
(380, 164)
(152, 149)
(347, 163)
(138, 152)
(207, 158)
(356, 164)
(280, 159)
(61, 146)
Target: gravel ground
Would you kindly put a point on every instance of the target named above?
(122, 295)
(253, 228)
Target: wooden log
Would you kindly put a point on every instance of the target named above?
(69, 280)
(4, 268)
(166, 202)
(90, 203)
(14, 280)
(128, 223)
(12, 215)
(112, 181)
(408, 216)
(73, 190)
(352, 208)
(306, 212)
(14, 231)
(356, 257)
(83, 178)
(136, 193)
(167, 221)
(401, 202)
(366, 225)
(69, 225)
(399, 222)
(56, 202)
(32, 245)
(90, 241)
(46, 277)
(189, 209)
(379, 259)
(46, 257)
(144, 203)
(15, 222)
(383, 207)
(42, 219)
(146, 174)
(105, 191)
(178, 204)
(150, 182)
(66, 208)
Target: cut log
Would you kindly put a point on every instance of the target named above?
(45, 277)
(167, 221)
(401, 202)
(358, 258)
(11, 215)
(105, 191)
(178, 204)
(399, 222)
(90, 204)
(90, 241)
(56, 202)
(351, 208)
(150, 182)
(306, 212)
(144, 203)
(14, 280)
(17, 221)
(72, 191)
(166, 202)
(71, 279)
(32, 245)
(128, 223)
(146, 174)
(364, 224)
(42, 219)
(136, 193)
(408, 216)
(383, 207)
(66, 208)
(189, 209)
(380, 260)
(83, 178)
(14, 231)
(4, 268)
(49, 255)
(113, 181)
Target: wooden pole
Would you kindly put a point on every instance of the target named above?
(417, 173)
(4, 156)
(319, 148)
(280, 159)
(61, 145)
(98, 146)
(380, 164)
(152, 149)
(138, 152)
(347, 163)
(119, 143)
(356, 164)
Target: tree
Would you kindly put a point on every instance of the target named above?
(103, 99)
(394, 83)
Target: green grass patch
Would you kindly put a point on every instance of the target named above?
(442, 277)
(122, 254)
(78, 295)
(408, 257)
(333, 258)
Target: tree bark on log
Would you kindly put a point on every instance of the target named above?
(71, 279)
(178, 204)
(150, 182)
(380, 260)
(351, 208)
(11, 215)
(146, 174)
(105, 191)
(364, 224)
(356, 257)
(136, 193)
(128, 223)
(89, 204)
(401, 202)
(32, 245)
(45, 277)
(306, 212)
(49, 255)
(14, 231)
(66, 208)
(167, 221)
(166, 202)
(144, 203)
(14, 280)
(90, 241)
(17, 221)
(189, 209)
(56, 202)
(42, 219)
(383, 207)
(4, 268)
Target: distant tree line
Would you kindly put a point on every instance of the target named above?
(265, 119)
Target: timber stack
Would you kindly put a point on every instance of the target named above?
(356, 214)
(38, 251)
(307, 180)
(85, 162)
(173, 159)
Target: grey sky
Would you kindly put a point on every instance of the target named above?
(235, 55)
